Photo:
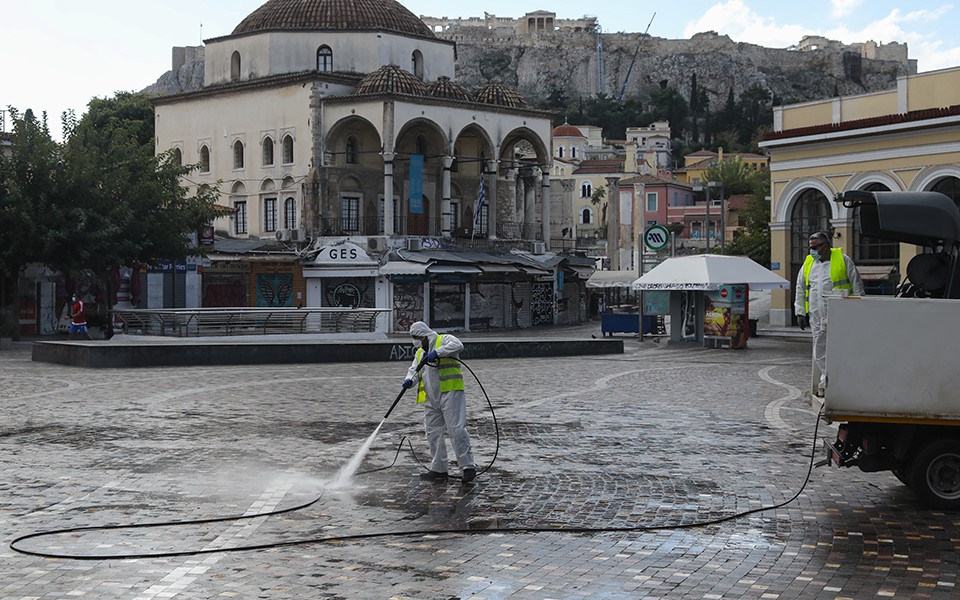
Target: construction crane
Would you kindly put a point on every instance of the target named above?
(623, 90)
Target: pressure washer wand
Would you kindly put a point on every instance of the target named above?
(404, 390)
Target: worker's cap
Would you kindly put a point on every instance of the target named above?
(420, 330)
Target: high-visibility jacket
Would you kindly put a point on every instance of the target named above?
(838, 275)
(451, 375)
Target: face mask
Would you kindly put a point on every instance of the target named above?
(814, 253)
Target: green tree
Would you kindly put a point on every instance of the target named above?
(30, 198)
(598, 199)
(127, 204)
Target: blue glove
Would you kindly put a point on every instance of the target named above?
(432, 356)
(407, 384)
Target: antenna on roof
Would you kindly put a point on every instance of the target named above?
(635, 53)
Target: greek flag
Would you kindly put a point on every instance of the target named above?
(481, 198)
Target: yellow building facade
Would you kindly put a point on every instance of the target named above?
(904, 139)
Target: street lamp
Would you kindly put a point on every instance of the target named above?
(715, 184)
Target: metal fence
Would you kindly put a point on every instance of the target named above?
(186, 322)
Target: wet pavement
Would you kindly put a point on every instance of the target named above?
(657, 437)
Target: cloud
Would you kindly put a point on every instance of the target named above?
(842, 8)
(737, 20)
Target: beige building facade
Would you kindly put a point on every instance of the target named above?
(905, 139)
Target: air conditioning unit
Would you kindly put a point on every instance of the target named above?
(413, 244)
(539, 248)
(283, 235)
(376, 244)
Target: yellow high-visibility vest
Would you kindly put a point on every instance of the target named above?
(838, 275)
(451, 375)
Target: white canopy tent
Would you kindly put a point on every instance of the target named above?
(701, 273)
(709, 272)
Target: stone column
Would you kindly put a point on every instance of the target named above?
(388, 217)
(529, 206)
(492, 204)
(445, 220)
(613, 222)
(545, 205)
(388, 156)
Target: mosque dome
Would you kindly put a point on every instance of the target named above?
(500, 95)
(391, 79)
(334, 15)
(447, 89)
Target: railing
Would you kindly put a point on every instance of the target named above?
(186, 322)
(414, 226)
(424, 227)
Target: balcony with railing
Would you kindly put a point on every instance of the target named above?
(418, 226)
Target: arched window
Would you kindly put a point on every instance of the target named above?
(949, 187)
(352, 151)
(268, 152)
(235, 66)
(586, 190)
(238, 155)
(177, 157)
(559, 151)
(204, 159)
(573, 151)
(586, 216)
(417, 60)
(288, 149)
(324, 59)
(290, 213)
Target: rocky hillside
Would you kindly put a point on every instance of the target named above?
(538, 65)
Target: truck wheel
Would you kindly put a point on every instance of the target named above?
(935, 474)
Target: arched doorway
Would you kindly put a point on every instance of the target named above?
(811, 213)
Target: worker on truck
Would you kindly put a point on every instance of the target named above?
(824, 270)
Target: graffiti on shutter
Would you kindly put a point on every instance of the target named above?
(541, 303)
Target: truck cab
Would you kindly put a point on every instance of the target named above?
(894, 382)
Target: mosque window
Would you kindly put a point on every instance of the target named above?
(288, 149)
(352, 151)
(235, 66)
(238, 155)
(290, 213)
(177, 157)
(204, 159)
(324, 59)
(268, 152)
(417, 60)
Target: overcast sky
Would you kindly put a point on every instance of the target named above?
(61, 53)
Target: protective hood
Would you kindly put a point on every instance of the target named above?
(420, 329)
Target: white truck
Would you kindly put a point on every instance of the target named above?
(894, 381)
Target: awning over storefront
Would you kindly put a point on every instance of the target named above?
(612, 279)
(582, 272)
(462, 269)
(488, 268)
(402, 267)
(534, 270)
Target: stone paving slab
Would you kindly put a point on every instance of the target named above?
(658, 436)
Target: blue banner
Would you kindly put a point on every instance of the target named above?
(416, 184)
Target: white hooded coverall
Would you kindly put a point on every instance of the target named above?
(442, 412)
(820, 287)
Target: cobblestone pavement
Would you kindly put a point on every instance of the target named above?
(659, 436)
